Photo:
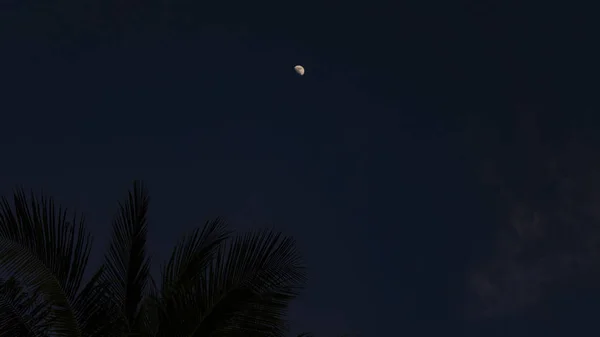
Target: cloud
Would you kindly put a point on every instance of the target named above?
(548, 223)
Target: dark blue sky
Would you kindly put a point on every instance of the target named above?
(365, 159)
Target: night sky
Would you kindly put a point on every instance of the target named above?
(375, 160)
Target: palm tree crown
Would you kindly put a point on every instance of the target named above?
(215, 283)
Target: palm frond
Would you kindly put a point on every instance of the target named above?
(45, 251)
(151, 306)
(213, 284)
(246, 289)
(192, 255)
(188, 262)
(127, 266)
(22, 314)
(95, 308)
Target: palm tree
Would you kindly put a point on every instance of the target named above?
(215, 283)
(23, 313)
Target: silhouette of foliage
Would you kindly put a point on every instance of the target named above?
(215, 282)
(21, 313)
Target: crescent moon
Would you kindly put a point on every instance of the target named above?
(299, 69)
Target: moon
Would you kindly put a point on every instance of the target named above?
(299, 69)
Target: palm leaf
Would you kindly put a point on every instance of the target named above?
(151, 306)
(191, 256)
(246, 289)
(45, 251)
(212, 285)
(188, 262)
(22, 314)
(96, 309)
(127, 267)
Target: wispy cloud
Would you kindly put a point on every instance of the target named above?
(547, 222)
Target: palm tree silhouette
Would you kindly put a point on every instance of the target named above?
(215, 283)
